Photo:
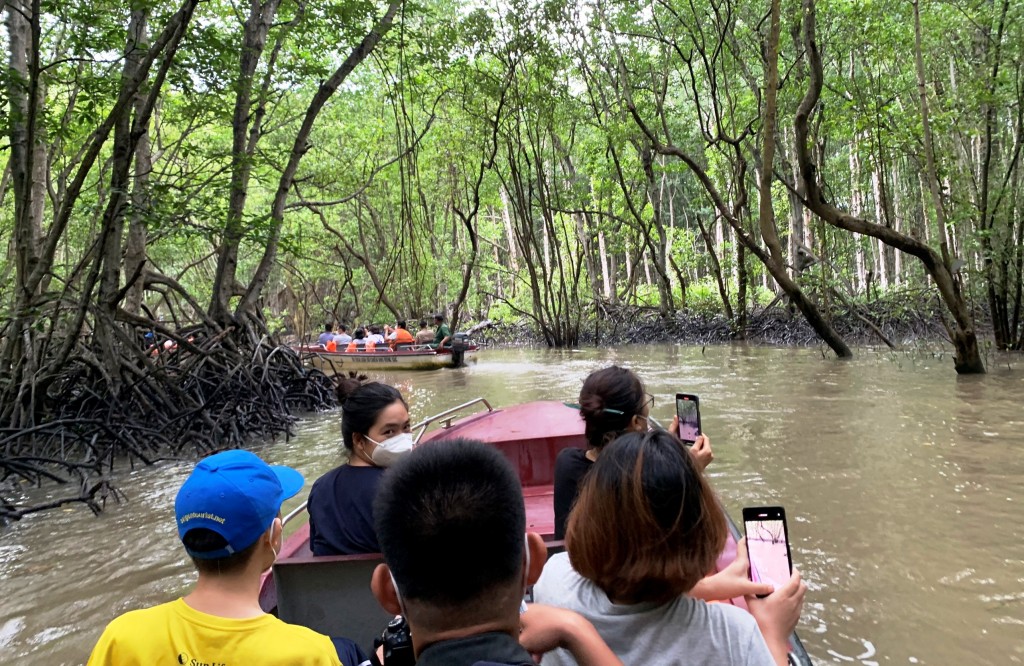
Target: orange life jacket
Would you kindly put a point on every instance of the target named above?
(331, 345)
(370, 345)
(352, 346)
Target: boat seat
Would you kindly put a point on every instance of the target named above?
(312, 590)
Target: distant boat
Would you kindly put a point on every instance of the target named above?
(332, 594)
(411, 357)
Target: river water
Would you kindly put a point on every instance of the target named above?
(902, 482)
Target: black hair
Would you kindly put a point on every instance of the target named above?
(608, 401)
(423, 323)
(400, 323)
(200, 539)
(328, 327)
(451, 522)
(359, 334)
(342, 327)
(361, 407)
(439, 317)
(344, 385)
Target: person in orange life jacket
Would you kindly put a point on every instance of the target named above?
(375, 430)
(452, 526)
(400, 335)
(357, 341)
(228, 517)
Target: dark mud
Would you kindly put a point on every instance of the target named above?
(904, 320)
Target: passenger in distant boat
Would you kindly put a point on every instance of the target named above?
(376, 335)
(424, 336)
(400, 335)
(375, 431)
(458, 559)
(442, 335)
(327, 335)
(342, 338)
(357, 341)
(228, 517)
(646, 529)
(612, 401)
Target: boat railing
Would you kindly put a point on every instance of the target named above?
(294, 512)
(445, 418)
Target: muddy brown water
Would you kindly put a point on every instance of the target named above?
(903, 484)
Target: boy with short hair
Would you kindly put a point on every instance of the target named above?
(452, 527)
(228, 516)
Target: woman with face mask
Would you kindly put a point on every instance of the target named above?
(375, 430)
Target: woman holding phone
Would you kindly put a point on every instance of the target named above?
(643, 534)
(612, 402)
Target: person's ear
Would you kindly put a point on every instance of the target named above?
(638, 423)
(538, 556)
(276, 534)
(384, 590)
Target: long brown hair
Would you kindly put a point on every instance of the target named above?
(646, 525)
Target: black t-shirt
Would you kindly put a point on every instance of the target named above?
(571, 466)
(341, 511)
(490, 648)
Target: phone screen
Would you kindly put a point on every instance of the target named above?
(768, 545)
(688, 411)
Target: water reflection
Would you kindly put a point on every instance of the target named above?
(902, 483)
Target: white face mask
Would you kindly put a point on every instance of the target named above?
(391, 449)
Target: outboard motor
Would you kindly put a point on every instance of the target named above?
(460, 344)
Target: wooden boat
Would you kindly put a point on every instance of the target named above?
(332, 594)
(411, 357)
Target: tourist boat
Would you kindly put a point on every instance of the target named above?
(332, 594)
(411, 357)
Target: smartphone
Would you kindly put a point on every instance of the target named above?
(688, 411)
(768, 544)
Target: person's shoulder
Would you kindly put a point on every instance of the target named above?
(143, 620)
(721, 616)
(571, 462)
(317, 648)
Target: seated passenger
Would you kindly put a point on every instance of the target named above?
(342, 338)
(358, 340)
(452, 527)
(376, 335)
(612, 401)
(645, 530)
(228, 517)
(442, 335)
(424, 336)
(375, 431)
(401, 336)
(327, 335)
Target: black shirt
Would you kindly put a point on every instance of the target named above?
(571, 466)
(341, 511)
(494, 647)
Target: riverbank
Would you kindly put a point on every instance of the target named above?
(906, 320)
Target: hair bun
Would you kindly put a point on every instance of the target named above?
(345, 385)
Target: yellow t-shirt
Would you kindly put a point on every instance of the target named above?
(176, 634)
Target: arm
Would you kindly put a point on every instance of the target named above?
(777, 615)
(732, 581)
(545, 628)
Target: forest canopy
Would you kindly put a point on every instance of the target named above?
(218, 174)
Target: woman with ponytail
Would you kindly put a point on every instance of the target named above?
(612, 402)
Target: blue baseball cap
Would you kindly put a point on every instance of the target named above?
(236, 495)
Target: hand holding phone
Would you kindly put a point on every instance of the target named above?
(688, 413)
(768, 545)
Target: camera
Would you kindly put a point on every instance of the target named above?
(397, 643)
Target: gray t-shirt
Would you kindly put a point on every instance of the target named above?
(684, 631)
